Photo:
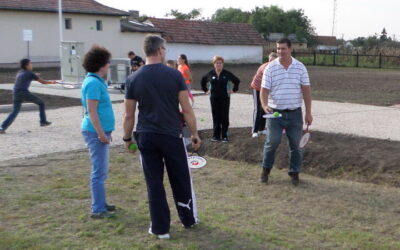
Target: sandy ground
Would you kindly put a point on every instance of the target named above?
(26, 139)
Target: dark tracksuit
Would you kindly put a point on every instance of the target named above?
(219, 87)
(156, 88)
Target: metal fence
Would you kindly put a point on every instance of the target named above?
(348, 60)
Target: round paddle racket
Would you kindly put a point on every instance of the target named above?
(69, 85)
(196, 161)
(305, 138)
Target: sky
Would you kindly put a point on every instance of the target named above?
(354, 18)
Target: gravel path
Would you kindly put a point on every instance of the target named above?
(25, 138)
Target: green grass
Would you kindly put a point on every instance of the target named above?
(47, 207)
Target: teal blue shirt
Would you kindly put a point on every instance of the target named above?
(95, 88)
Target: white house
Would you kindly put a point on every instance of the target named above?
(201, 40)
(326, 43)
(84, 21)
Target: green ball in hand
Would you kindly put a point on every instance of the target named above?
(276, 114)
(133, 147)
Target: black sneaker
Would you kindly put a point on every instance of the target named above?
(111, 208)
(264, 175)
(102, 215)
(225, 139)
(44, 124)
(215, 139)
(295, 178)
(2, 131)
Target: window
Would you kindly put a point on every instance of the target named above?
(68, 23)
(99, 25)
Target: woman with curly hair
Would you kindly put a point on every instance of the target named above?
(97, 125)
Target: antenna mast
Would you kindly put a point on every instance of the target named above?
(334, 16)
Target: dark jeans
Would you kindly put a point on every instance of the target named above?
(293, 123)
(220, 114)
(157, 150)
(18, 99)
(258, 119)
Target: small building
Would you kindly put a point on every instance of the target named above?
(326, 43)
(84, 21)
(297, 44)
(201, 40)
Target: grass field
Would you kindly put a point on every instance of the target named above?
(44, 204)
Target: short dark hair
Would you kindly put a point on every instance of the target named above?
(285, 40)
(152, 44)
(131, 53)
(24, 63)
(96, 58)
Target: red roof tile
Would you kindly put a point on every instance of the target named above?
(69, 6)
(206, 32)
(327, 40)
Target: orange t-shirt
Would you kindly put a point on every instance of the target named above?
(184, 69)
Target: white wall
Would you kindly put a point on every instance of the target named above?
(325, 47)
(197, 53)
(45, 44)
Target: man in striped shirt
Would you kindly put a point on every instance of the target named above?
(284, 86)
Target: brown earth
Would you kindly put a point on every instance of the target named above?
(327, 155)
(52, 102)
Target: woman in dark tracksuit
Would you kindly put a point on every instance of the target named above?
(220, 83)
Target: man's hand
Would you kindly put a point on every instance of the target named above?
(127, 144)
(308, 118)
(196, 142)
(267, 109)
(104, 139)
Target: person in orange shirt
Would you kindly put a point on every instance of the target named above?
(183, 67)
(258, 119)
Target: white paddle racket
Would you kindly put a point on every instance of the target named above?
(272, 115)
(196, 161)
(69, 85)
(305, 138)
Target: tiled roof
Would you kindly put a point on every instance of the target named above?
(134, 26)
(69, 6)
(327, 40)
(273, 37)
(206, 32)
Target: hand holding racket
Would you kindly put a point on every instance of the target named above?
(196, 142)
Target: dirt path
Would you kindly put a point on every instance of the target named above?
(26, 139)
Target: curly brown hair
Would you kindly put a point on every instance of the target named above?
(96, 58)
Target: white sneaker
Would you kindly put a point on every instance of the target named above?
(160, 236)
(254, 135)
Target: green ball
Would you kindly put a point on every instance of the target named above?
(133, 147)
(276, 114)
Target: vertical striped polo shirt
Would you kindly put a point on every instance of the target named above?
(285, 85)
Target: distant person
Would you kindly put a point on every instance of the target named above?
(22, 94)
(284, 86)
(258, 119)
(220, 84)
(183, 67)
(135, 66)
(135, 60)
(158, 91)
(172, 64)
(97, 125)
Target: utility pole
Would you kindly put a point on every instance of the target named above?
(60, 27)
(334, 16)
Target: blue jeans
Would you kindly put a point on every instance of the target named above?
(99, 157)
(18, 99)
(293, 123)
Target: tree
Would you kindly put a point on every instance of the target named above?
(383, 36)
(193, 14)
(270, 19)
(231, 15)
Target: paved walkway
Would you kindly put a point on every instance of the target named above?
(25, 138)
